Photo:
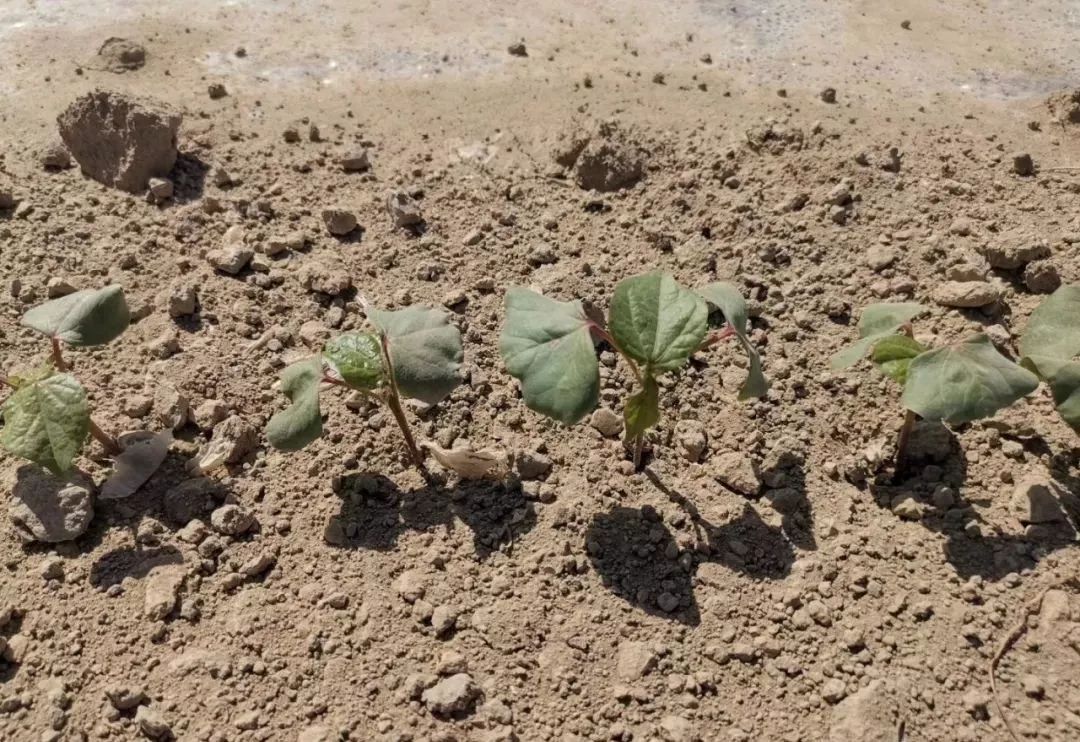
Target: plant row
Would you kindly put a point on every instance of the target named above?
(654, 325)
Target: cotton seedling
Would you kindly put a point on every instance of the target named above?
(655, 325)
(47, 416)
(1050, 346)
(957, 383)
(412, 353)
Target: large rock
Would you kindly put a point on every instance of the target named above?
(120, 140)
(611, 160)
(453, 695)
(47, 509)
(1035, 500)
(1013, 251)
(966, 294)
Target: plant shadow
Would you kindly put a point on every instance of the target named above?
(638, 558)
(112, 567)
(375, 512)
(936, 460)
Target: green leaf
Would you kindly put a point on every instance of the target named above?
(301, 422)
(730, 302)
(88, 317)
(46, 421)
(877, 321)
(642, 409)
(893, 354)
(546, 344)
(425, 351)
(1065, 386)
(1053, 332)
(356, 359)
(656, 321)
(965, 381)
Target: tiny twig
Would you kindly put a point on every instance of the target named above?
(112, 448)
(903, 440)
(639, 445)
(1014, 636)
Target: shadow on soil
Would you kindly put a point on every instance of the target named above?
(638, 559)
(937, 460)
(375, 512)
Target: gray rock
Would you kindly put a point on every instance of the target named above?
(1012, 251)
(231, 520)
(324, 278)
(410, 585)
(403, 209)
(339, 221)
(122, 55)
(444, 619)
(737, 472)
(532, 465)
(354, 160)
(607, 422)
(230, 259)
(634, 660)
(152, 723)
(124, 698)
(453, 695)
(1042, 276)
(691, 439)
(907, 507)
(677, 729)
(55, 157)
(182, 300)
(162, 591)
(47, 509)
(120, 140)
(610, 160)
(966, 294)
(1035, 500)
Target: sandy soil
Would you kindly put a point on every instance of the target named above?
(775, 587)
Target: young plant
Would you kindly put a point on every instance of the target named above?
(1050, 347)
(47, 417)
(655, 325)
(414, 353)
(957, 383)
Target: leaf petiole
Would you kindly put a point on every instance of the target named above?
(58, 355)
(108, 442)
(393, 401)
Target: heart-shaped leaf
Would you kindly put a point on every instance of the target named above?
(140, 458)
(425, 351)
(46, 420)
(356, 359)
(88, 317)
(877, 321)
(725, 297)
(642, 409)
(965, 381)
(301, 422)
(1053, 332)
(893, 354)
(546, 344)
(657, 322)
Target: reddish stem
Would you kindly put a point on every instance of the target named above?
(58, 355)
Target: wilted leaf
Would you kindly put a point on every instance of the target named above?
(139, 460)
(356, 359)
(301, 422)
(893, 354)
(656, 321)
(546, 344)
(425, 351)
(877, 321)
(87, 317)
(642, 409)
(730, 302)
(1053, 333)
(965, 381)
(469, 464)
(46, 420)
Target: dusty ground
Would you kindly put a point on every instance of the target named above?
(588, 603)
